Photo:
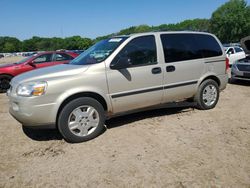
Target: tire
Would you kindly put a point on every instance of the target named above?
(82, 119)
(207, 95)
(4, 83)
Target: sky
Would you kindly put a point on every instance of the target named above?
(92, 18)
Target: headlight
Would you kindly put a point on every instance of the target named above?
(31, 89)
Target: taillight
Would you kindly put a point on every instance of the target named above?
(227, 65)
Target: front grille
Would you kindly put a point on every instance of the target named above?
(241, 77)
(246, 75)
(245, 68)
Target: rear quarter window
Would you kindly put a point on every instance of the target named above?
(183, 47)
(238, 50)
(208, 45)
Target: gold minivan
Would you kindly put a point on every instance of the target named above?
(119, 75)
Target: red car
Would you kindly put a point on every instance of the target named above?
(45, 59)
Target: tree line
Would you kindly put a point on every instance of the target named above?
(230, 22)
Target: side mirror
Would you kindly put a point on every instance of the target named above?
(121, 63)
(32, 63)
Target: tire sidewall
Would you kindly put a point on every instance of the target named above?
(67, 110)
(7, 77)
(203, 85)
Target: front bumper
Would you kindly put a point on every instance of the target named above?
(239, 75)
(30, 113)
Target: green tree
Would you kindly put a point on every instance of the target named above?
(31, 44)
(9, 44)
(77, 43)
(231, 21)
(9, 47)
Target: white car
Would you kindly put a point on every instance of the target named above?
(234, 54)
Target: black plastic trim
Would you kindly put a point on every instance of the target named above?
(153, 89)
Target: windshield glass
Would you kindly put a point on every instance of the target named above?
(98, 52)
(23, 60)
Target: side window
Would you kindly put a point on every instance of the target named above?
(141, 51)
(237, 50)
(179, 47)
(43, 58)
(230, 51)
(62, 57)
(207, 45)
(183, 47)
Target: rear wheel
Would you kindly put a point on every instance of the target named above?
(208, 95)
(4, 83)
(81, 120)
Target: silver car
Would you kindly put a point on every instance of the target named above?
(241, 70)
(117, 76)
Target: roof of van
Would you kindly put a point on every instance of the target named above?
(163, 32)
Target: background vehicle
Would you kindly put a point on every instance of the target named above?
(235, 53)
(1, 55)
(45, 59)
(120, 75)
(27, 54)
(241, 68)
(77, 51)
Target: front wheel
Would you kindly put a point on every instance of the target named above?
(4, 83)
(208, 95)
(81, 120)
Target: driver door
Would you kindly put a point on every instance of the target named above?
(37, 62)
(43, 60)
(140, 84)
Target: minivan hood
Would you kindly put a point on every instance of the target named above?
(48, 73)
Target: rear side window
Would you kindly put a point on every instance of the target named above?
(238, 50)
(207, 45)
(141, 51)
(182, 47)
(43, 58)
(62, 57)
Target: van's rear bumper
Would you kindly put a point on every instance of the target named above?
(223, 81)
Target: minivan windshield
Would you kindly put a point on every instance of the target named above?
(98, 52)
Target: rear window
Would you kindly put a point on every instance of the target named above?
(62, 57)
(182, 47)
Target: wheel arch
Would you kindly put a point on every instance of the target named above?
(6, 74)
(212, 77)
(93, 95)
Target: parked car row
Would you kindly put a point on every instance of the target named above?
(27, 54)
(36, 61)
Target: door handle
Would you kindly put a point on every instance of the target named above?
(170, 68)
(156, 70)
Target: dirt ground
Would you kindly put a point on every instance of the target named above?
(11, 59)
(172, 147)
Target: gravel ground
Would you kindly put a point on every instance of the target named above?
(11, 59)
(172, 147)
